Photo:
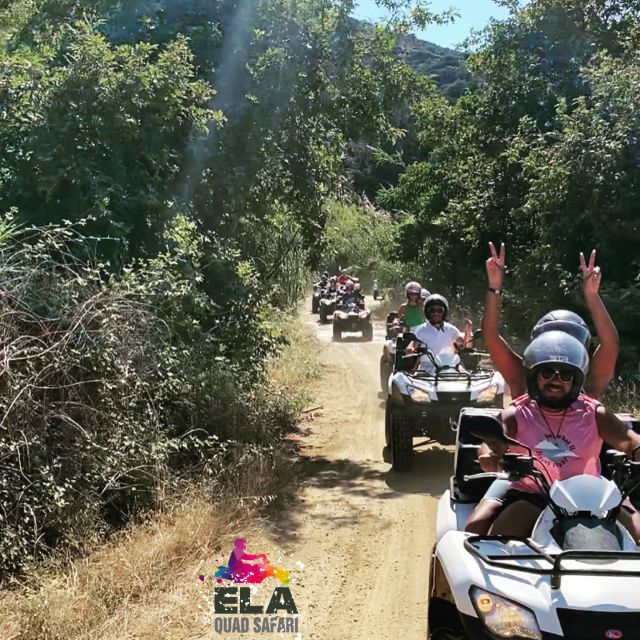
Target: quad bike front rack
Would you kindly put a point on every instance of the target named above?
(555, 568)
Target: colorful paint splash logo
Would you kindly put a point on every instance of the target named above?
(243, 569)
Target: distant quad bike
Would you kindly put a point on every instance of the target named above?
(327, 305)
(427, 401)
(351, 317)
(574, 577)
(318, 294)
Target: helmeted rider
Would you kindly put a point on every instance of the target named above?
(411, 312)
(324, 281)
(357, 291)
(424, 294)
(333, 284)
(563, 320)
(436, 333)
(564, 428)
(349, 294)
(509, 363)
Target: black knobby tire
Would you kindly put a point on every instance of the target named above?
(337, 333)
(315, 305)
(367, 333)
(323, 314)
(386, 369)
(387, 423)
(401, 443)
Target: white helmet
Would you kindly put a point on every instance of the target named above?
(357, 286)
(412, 287)
(424, 294)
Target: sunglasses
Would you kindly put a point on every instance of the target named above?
(565, 375)
(435, 309)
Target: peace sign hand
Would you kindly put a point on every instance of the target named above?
(495, 266)
(591, 275)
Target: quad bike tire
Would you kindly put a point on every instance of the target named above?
(367, 333)
(337, 333)
(315, 305)
(386, 369)
(444, 621)
(387, 424)
(323, 314)
(401, 444)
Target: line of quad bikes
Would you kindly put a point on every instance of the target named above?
(577, 576)
(345, 310)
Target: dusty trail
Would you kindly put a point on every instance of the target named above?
(363, 532)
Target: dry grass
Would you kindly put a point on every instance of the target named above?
(137, 586)
(143, 584)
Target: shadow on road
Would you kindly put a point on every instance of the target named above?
(429, 474)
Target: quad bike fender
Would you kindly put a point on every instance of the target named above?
(452, 516)
(463, 570)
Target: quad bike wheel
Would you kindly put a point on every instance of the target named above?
(315, 304)
(337, 333)
(387, 424)
(401, 444)
(323, 314)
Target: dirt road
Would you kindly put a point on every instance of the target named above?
(363, 532)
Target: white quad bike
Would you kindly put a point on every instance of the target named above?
(427, 401)
(577, 577)
(351, 317)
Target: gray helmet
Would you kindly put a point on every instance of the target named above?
(556, 348)
(424, 294)
(436, 299)
(563, 320)
(412, 287)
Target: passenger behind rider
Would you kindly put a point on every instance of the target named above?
(410, 312)
(333, 284)
(509, 363)
(357, 292)
(565, 430)
(348, 294)
(436, 333)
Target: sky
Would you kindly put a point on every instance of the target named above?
(473, 14)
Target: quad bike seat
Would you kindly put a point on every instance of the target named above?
(466, 456)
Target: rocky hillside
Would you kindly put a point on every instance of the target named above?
(446, 66)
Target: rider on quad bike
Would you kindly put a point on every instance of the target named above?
(563, 427)
(439, 335)
(324, 280)
(410, 312)
(510, 364)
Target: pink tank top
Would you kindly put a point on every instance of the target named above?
(566, 443)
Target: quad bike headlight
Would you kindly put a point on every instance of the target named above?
(418, 395)
(504, 618)
(489, 394)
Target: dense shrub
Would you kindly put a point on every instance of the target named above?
(114, 388)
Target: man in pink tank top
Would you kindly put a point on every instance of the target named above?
(562, 426)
